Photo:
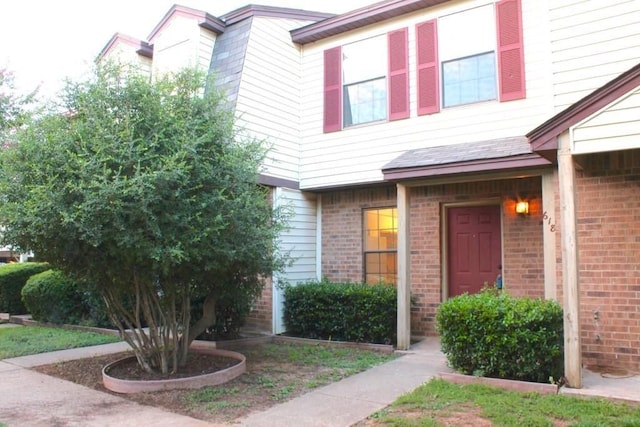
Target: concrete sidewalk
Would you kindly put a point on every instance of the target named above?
(29, 398)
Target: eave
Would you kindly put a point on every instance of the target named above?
(273, 12)
(359, 18)
(467, 167)
(204, 19)
(544, 138)
(142, 48)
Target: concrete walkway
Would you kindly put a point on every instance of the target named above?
(29, 398)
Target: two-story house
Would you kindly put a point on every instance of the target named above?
(441, 146)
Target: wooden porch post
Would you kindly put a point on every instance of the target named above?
(549, 234)
(570, 277)
(404, 276)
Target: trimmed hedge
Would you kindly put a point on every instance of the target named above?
(13, 277)
(51, 297)
(495, 335)
(341, 312)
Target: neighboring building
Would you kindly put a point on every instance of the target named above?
(406, 133)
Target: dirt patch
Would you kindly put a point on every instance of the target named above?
(271, 378)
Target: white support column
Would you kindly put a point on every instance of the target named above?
(549, 235)
(404, 273)
(570, 276)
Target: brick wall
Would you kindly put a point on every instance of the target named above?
(608, 217)
(522, 238)
(260, 317)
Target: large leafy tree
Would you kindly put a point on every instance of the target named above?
(144, 191)
(15, 108)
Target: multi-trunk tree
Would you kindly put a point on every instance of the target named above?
(144, 191)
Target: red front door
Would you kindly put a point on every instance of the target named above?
(474, 248)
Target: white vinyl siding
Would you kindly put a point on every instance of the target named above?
(182, 43)
(592, 43)
(124, 53)
(615, 127)
(300, 242)
(268, 104)
(356, 155)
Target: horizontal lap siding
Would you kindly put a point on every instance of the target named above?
(300, 239)
(176, 46)
(357, 154)
(205, 48)
(615, 128)
(592, 43)
(268, 103)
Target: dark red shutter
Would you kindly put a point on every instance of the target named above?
(398, 75)
(332, 89)
(510, 50)
(427, 60)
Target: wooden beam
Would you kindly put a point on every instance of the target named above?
(404, 273)
(549, 234)
(570, 276)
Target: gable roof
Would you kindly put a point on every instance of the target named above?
(544, 140)
(483, 156)
(273, 12)
(359, 18)
(205, 20)
(142, 48)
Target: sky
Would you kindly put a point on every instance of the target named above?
(45, 41)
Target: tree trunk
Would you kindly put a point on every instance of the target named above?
(208, 318)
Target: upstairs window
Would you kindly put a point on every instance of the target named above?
(471, 56)
(468, 57)
(380, 245)
(364, 79)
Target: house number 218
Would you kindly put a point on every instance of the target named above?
(547, 218)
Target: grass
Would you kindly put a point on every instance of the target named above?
(276, 373)
(437, 401)
(26, 340)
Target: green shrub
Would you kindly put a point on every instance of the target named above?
(13, 277)
(51, 297)
(341, 311)
(495, 335)
(231, 313)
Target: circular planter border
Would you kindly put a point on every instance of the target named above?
(119, 385)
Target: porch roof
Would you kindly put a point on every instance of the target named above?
(471, 157)
(544, 140)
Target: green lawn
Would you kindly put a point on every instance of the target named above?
(25, 340)
(438, 402)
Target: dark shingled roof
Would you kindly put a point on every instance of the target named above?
(472, 157)
(457, 153)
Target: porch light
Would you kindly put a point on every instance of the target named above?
(522, 207)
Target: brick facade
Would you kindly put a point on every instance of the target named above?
(608, 205)
(522, 238)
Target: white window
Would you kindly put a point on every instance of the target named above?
(467, 45)
(364, 70)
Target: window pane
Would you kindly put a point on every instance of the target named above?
(365, 102)
(380, 267)
(466, 33)
(470, 79)
(381, 242)
(364, 60)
